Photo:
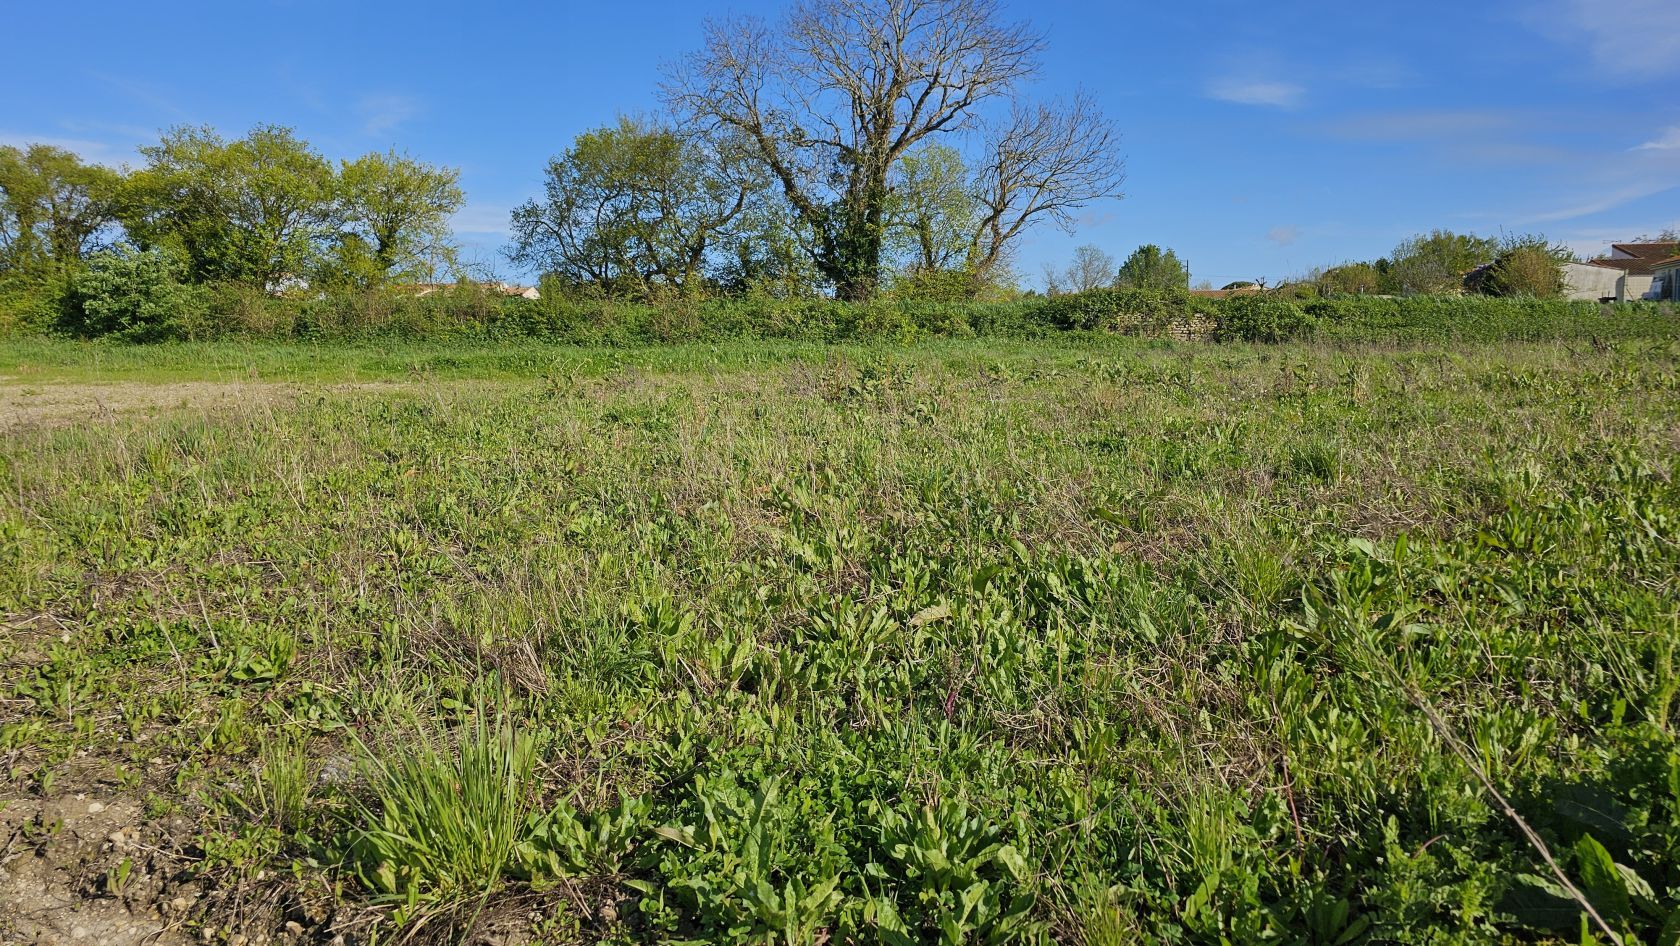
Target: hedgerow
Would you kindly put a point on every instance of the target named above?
(96, 305)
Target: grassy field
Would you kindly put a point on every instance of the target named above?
(1082, 640)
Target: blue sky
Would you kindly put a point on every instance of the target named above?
(1261, 139)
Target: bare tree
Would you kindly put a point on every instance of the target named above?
(834, 96)
(1051, 277)
(1044, 163)
(1091, 269)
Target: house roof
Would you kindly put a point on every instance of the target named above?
(1633, 267)
(1669, 263)
(1656, 251)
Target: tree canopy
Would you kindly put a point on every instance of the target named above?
(55, 208)
(1438, 261)
(634, 207)
(832, 99)
(268, 210)
(255, 210)
(393, 219)
(1150, 267)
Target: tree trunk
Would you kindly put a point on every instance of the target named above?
(856, 266)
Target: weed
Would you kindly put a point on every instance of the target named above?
(446, 812)
(1085, 638)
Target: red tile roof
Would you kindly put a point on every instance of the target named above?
(1658, 251)
(1633, 267)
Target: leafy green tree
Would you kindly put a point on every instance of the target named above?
(632, 208)
(932, 212)
(766, 252)
(1150, 267)
(394, 215)
(54, 208)
(1525, 271)
(1350, 279)
(1437, 262)
(1527, 265)
(258, 210)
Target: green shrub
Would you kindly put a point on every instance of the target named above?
(1129, 311)
(936, 286)
(132, 295)
(1484, 318)
(1254, 318)
(238, 310)
(31, 304)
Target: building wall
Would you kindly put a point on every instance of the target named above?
(1640, 287)
(1666, 284)
(1581, 281)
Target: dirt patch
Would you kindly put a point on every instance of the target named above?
(81, 870)
(61, 403)
(55, 404)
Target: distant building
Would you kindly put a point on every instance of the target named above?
(1593, 282)
(1632, 268)
(1665, 279)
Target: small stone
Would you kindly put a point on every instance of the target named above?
(78, 932)
(95, 807)
(294, 927)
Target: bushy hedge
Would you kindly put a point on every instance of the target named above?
(1256, 318)
(129, 294)
(1486, 318)
(135, 297)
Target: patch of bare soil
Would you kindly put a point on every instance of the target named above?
(81, 870)
(56, 404)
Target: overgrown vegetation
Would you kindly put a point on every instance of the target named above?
(134, 296)
(1083, 639)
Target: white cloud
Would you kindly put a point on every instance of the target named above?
(1283, 236)
(1667, 141)
(1600, 202)
(1266, 92)
(1631, 39)
(381, 113)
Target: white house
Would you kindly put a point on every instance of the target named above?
(1633, 272)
